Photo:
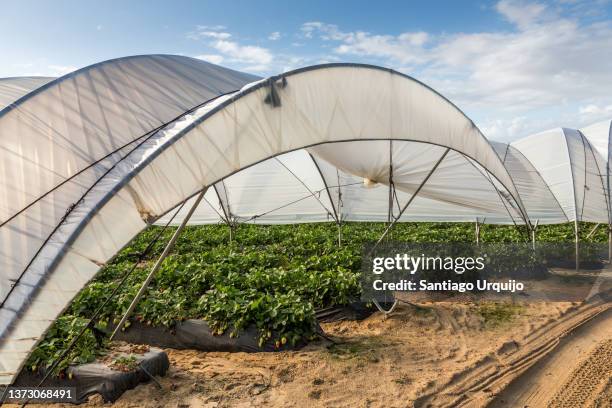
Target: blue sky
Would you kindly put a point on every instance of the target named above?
(514, 66)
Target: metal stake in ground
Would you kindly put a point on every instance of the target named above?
(610, 243)
(157, 265)
(533, 234)
(576, 231)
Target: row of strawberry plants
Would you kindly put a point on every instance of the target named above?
(272, 277)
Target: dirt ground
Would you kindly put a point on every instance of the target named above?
(577, 374)
(437, 354)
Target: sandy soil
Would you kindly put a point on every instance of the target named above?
(577, 374)
(432, 354)
(413, 358)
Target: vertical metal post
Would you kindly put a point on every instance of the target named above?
(339, 234)
(533, 234)
(157, 265)
(414, 195)
(390, 208)
(477, 232)
(577, 245)
(610, 244)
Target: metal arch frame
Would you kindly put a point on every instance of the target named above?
(486, 175)
(158, 58)
(586, 141)
(573, 179)
(178, 136)
(396, 219)
(87, 68)
(578, 218)
(145, 137)
(331, 202)
(268, 82)
(109, 194)
(514, 149)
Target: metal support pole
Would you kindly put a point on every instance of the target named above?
(477, 231)
(395, 301)
(577, 245)
(410, 200)
(157, 265)
(592, 232)
(339, 234)
(390, 209)
(610, 244)
(533, 234)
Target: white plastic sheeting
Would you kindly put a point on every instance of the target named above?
(11, 89)
(56, 143)
(599, 136)
(573, 170)
(91, 159)
(541, 204)
(350, 181)
(354, 178)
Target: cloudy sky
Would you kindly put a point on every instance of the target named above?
(515, 67)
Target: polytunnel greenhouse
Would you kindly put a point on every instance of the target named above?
(90, 159)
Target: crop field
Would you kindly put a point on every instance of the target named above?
(270, 277)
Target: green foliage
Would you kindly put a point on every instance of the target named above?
(62, 332)
(272, 277)
(125, 363)
(497, 313)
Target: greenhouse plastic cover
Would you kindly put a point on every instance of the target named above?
(92, 158)
(11, 89)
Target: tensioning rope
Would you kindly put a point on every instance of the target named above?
(312, 194)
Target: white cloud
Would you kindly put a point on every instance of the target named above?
(220, 35)
(592, 113)
(518, 80)
(244, 53)
(212, 58)
(507, 128)
(407, 48)
(276, 35)
(203, 31)
(521, 13)
(249, 57)
(326, 31)
(59, 70)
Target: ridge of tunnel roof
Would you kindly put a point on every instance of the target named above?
(57, 80)
(218, 105)
(13, 88)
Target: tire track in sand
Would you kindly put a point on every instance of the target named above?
(571, 375)
(588, 381)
